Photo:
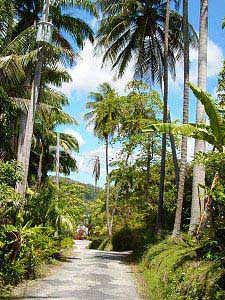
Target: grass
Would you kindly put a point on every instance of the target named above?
(173, 270)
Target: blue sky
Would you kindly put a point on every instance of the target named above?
(87, 75)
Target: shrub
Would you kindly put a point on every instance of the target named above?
(135, 239)
(66, 243)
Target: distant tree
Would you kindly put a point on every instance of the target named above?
(103, 115)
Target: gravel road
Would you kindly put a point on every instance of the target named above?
(86, 275)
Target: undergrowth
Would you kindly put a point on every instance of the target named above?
(175, 270)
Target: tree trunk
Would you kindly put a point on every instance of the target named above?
(183, 164)
(24, 153)
(57, 165)
(174, 154)
(107, 184)
(27, 132)
(57, 171)
(40, 166)
(149, 159)
(21, 145)
(199, 171)
(208, 207)
(159, 221)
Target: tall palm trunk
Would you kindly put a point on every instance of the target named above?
(27, 131)
(21, 139)
(25, 147)
(107, 184)
(183, 164)
(199, 171)
(159, 221)
(149, 158)
(174, 154)
(39, 175)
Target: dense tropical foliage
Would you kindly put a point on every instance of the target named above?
(169, 211)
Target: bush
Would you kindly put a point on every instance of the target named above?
(10, 173)
(95, 243)
(38, 246)
(105, 245)
(66, 243)
(135, 239)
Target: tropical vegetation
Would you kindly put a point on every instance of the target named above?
(168, 210)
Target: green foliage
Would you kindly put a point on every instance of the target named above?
(215, 163)
(175, 270)
(10, 173)
(135, 239)
(23, 250)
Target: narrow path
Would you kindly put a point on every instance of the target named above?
(87, 275)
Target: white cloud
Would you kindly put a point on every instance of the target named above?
(75, 134)
(85, 162)
(90, 128)
(88, 73)
(215, 59)
(214, 65)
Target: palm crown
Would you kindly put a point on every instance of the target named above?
(134, 31)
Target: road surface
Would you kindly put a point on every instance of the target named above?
(86, 275)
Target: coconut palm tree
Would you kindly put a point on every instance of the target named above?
(103, 114)
(199, 170)
(150, 34)
(77, 29)
(183, 161)
(134, 31)
(159, 220)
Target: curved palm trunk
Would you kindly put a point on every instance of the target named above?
(183, 164)
(107, 184)
(159, 221)
(199, 171)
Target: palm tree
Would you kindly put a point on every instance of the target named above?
(103, 115)
(199, 170)
(183, 161)
(28, 13)
(159, 220)
(150, 34)
(77, 29)
(134, 31)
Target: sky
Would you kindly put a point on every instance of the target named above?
(87, 74)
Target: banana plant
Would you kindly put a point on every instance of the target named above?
(214, 133)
